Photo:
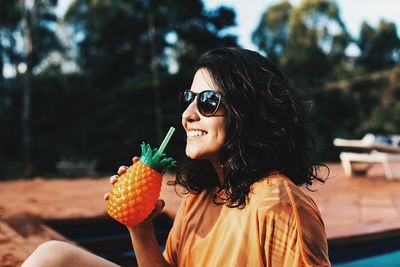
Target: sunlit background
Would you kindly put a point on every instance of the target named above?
(84, 82)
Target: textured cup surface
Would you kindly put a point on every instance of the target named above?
(134, 196)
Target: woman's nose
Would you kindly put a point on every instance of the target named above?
(191, 113)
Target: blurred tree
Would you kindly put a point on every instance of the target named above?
(42, 21)
(385, 119)
(114, 39)
(315, 31)
(126, 50)
(198, 30)
(38, 21)
(32, 24)
(337, 113)
(10, 15)
(339, 44)
(338, 47)
(271, 34)
(379, 47)
(369, 94)
(308, 41)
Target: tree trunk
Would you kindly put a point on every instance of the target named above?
(154, 72)
(26, 96)
(2, 94)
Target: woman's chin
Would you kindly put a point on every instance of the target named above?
(194, 154)
(197, 155)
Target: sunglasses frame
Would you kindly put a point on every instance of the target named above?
(198, 104)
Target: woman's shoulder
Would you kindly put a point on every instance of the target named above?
(278, 199)
(278, 192)
(272, 187)
(286, 208)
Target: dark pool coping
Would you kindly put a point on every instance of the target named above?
(355, 231)
(350, 248)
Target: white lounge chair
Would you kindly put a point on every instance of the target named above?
(375, 151)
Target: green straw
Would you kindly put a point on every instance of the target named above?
(166, 140)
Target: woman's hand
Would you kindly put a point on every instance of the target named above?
(121, 170)
(147, 249)
(157, 209)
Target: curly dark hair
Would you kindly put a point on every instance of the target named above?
(265, 128)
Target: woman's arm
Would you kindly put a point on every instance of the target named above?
(144, 242)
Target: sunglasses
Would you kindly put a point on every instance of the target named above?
(207, 101)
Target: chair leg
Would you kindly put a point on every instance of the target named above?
(347, 167)
(387, 169)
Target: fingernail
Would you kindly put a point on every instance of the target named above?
(113, 178)
(122, 168)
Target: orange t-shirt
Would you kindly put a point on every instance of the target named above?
(280, 226)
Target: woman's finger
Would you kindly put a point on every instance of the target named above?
(122, 170)
(158, 208)
(144, 226)
(106, 196)
(135, 159)
(113, 179)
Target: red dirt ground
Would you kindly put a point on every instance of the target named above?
(24, 203)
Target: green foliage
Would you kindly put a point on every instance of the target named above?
(115, 45)
(360, 105)
(271, 34)
(306, 65)
(42, 21)
(338, 47)
(312, 44)
(336, 113)
(108, 108)
(368, 93)
(198, 31)
(34, 25)
(309, 43)
(379, 47)
(384, 119)
(124, 51)
(10, 16)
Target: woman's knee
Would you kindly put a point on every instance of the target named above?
(50, 253)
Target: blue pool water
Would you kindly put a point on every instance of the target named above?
(391, 259)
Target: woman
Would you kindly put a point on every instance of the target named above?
(247, 155)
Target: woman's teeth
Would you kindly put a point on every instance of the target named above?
(193, 133)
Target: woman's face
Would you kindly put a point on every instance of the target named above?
(205, 135)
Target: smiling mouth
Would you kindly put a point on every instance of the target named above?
(195, 133)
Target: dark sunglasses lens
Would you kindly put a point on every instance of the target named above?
(186, 98)
(208, 102)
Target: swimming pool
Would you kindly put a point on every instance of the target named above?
(391, 259)
(372, 250)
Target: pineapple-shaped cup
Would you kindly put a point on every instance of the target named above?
(134, 196)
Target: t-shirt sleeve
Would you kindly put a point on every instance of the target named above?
(313, 236)
(172, 244)
(292, 233)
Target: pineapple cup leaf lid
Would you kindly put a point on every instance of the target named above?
(155, 159)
